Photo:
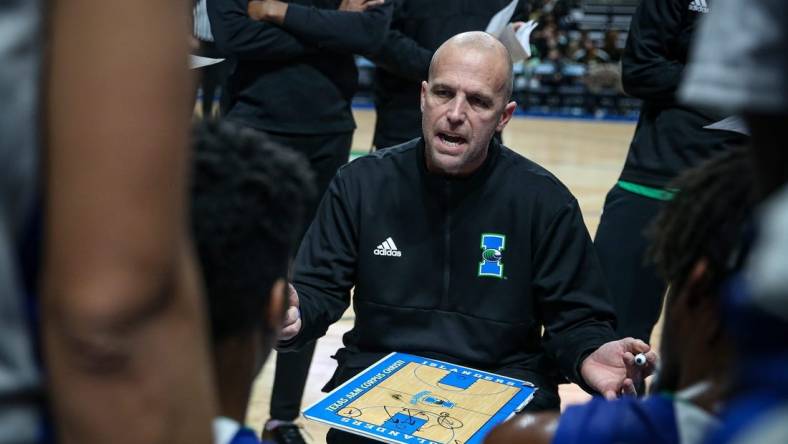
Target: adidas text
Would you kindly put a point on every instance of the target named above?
(699, 6)
(381, 252)
(387, 248)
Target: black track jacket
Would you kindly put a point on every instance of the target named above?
(298, 78)
(411, 244)
(670, 137)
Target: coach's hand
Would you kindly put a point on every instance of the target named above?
(359, 5)
(292, 324)
(611, 368)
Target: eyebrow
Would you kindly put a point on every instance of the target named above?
(471, 94)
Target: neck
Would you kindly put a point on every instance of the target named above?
(235, 373)
(709, 371)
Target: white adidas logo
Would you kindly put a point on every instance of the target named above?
(387, 248)
(699, 6)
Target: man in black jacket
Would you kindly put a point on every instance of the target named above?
(294, 80)
(460, 249)
(418, 27)
(670, 138)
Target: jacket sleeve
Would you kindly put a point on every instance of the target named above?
(400, 54)
(571, 294)
(650, 70)
(240, 36)
(325, 266)
(342, 31)
(403, 56)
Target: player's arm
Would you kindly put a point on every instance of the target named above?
(241, 36)
(122, 315)
(528, 428)
(400, 54)
(571, 294)
(650, 67)
(336, 30)
(325, 266)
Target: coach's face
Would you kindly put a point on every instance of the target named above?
(463, 104)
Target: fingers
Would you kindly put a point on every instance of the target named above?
(292, 324)
(290, 331)
(373, 3)
(635, 346)
(628, 388)
(292, 296)
(292, 315)
(610, 395)
(629, 359)
(517, 25)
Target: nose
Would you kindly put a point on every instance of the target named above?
(456, 112)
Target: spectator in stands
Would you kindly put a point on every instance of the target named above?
(590, 54)
(610, 46)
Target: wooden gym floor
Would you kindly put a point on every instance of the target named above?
(586, 156)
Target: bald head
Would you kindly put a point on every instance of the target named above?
(486, 44)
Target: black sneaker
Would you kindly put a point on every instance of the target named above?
(288, 433)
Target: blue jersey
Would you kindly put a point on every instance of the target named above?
(655, 420)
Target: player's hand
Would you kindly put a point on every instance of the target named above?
(359, 5)
(292, 323)
(611, 369)
(272, 11)
(517, 25)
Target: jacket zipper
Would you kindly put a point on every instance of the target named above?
(447, 250)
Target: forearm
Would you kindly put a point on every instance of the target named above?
(343, 31)
(654, 80)
(122, 319)
(142, 353)
(650, 69)
(239, 30)
(403, 56)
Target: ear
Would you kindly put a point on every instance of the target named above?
(276, 306)
(506, 116)
(696, 284)
(423, 96)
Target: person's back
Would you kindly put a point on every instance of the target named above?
(19, 77)
(418, 28)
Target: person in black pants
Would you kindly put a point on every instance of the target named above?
(418, 27)
(294, 80)
(669, 139)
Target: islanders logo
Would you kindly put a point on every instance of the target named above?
(492, 246)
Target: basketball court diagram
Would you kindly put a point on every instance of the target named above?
(408, 399)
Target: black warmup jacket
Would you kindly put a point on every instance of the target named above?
(298, 78)
(428, 299)
(669, 137)
(418, 28)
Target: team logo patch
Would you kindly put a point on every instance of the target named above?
(492, 255)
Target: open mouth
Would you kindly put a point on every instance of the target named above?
(451, 140)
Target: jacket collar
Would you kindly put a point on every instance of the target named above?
(461, 183)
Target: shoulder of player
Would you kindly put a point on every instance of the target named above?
(536, 428)
(524, 174)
